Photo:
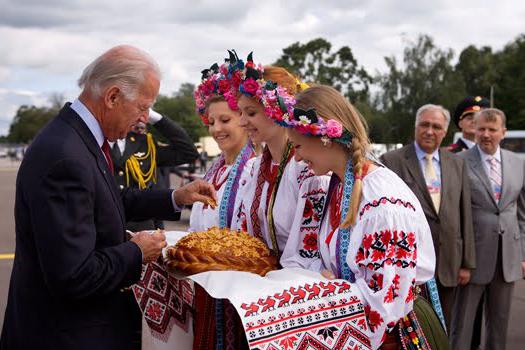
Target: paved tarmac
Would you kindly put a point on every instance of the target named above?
(7, 244)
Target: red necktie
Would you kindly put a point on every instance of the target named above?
(105, 150)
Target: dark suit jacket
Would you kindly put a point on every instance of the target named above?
(493, 221)
(179, 150)
(452, 230)
(457, 147)
(72, 258)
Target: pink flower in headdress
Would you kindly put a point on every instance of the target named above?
(224, 86)
(223, 69)
(231, 99)
(250, 86)
(334, 129)
(208, 87)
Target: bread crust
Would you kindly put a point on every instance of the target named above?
(220, 250)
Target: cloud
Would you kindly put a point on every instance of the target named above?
(46, 44)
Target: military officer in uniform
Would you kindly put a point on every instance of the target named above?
(464, 120)
(137, 157)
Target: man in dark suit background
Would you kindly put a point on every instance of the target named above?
(497, 181)
(138, 157)
(73, 263)
(439, 180)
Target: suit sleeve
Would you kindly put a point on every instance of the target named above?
(180, 150)
(521, 218)
(467, 228)
(66, 237)
(149, 204)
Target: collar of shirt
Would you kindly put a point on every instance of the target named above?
(469, 143)
(485, 156)
(121, 143)
(89, 119)
(421, 154)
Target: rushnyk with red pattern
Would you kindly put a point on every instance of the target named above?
(164, 300)
(323, 315)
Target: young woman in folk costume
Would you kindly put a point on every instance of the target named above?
(217, 325)
(373, 232)
(279, 195)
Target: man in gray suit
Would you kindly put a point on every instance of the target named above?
(439, 180)
(497, 181)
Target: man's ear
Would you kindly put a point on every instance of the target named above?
(112, 97)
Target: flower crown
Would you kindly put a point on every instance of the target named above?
(278, 103)
(222, 81)
(310, 124)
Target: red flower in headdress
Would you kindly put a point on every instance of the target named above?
(224, 86)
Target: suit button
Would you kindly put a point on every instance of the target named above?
(497, 213)
(121, 187)
(121, 173)
(140, 163)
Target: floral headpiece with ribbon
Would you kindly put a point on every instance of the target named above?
(278, 103)
(222, 81)
(308, 123)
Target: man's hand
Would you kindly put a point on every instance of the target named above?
(196, 191)
(328, 274)
(523, 268)
(463, 276)
(150, 244)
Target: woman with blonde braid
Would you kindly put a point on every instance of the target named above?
(373, 232)
(279, 195)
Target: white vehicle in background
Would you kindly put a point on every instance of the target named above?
(514, 141)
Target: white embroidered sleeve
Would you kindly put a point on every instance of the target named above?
(383, 253)
(302, 247)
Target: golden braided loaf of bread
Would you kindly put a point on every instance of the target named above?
(218, 250)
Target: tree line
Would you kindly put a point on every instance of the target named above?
(388, 100)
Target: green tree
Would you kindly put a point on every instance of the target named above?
(315, 62)
(478, 69)
(510, 84)
(426, 76)
(28, 121)
(180, 107)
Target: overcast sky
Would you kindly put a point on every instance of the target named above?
(45, 44)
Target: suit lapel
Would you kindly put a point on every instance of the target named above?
(479, 171)
(446, 174)
(414, 168)
(73, 119)
(505, 179)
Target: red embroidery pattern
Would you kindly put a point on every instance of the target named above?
(387, 248)
(294, 296)
(385, 200)
(297, 318)
(393, 291)
(376, 282)
(312, 213)
(374, 318)
(164, 300)
(304, 174)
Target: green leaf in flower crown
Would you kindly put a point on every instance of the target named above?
(250, 57)
(282, 105)
(270, 85)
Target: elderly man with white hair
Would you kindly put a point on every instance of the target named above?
(439, 179)
(73, 264)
